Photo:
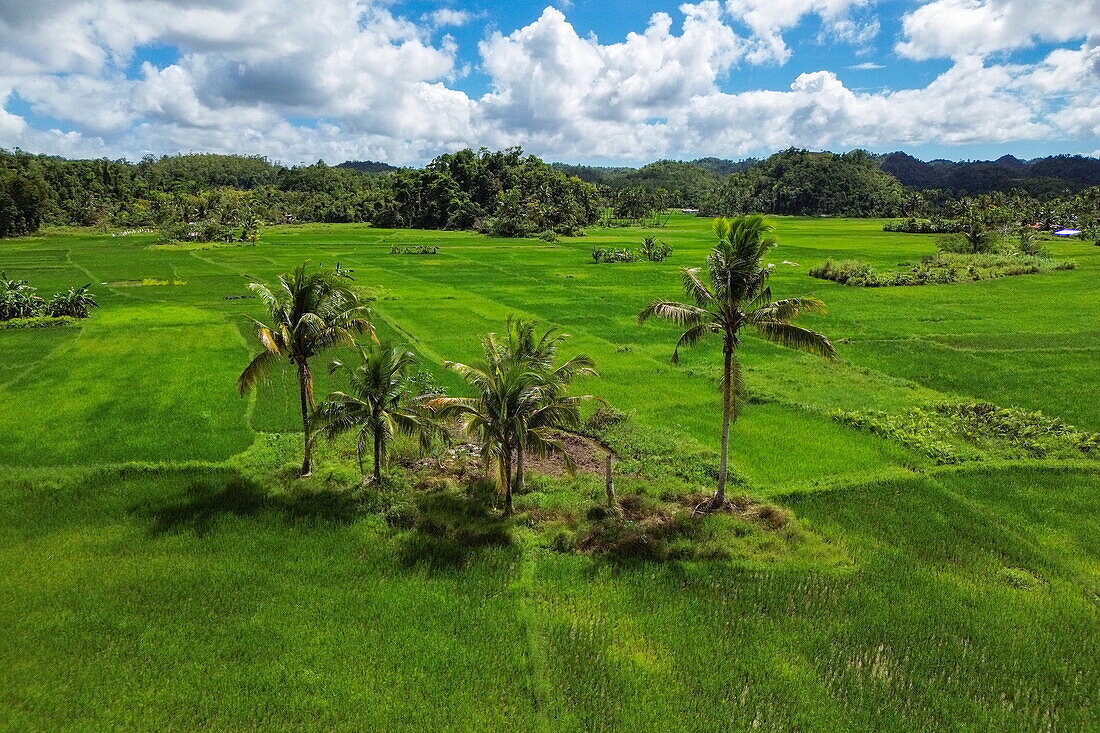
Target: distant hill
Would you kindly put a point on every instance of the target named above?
(1041, 176)
(368, 166)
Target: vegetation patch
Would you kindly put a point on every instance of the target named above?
(38, 322)
(913, 225)
(943, 268)
(602, 255)
(146, 282)
(649, 529)
(422, 249)
(952, 432)
(20, 300)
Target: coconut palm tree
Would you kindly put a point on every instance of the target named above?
(519, 401)
(378, 403)
(310, 312)
(980, 221)
(735, 295)
(556, 410)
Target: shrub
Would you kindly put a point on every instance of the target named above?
(912, 225)
(844, 272)
(609, 256)
(654, 250)
(19, 300)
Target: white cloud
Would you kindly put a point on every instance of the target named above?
(956, 28)
(866, 66)
(298, 80)
(768, 19)
(964, 105)
(545, 76)
(449, 17)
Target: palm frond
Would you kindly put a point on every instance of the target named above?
(681, 314)
(692, 336)
(695, 288)
(796, 337)
(256, 370)
(786, 310)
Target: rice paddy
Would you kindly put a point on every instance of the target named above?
(156, 577)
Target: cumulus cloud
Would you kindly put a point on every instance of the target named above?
(961, 106)
(545, 75)
(449, 17)
(298, 80)
(768, 19)
(956, 28)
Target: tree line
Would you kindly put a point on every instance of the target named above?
(203, 196)
(505, 193)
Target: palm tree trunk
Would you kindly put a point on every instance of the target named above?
(507, 482)
(727, 414)
(377, 456)
(518, 485)
(305, 388)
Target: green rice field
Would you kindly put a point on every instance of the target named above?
(154, 576)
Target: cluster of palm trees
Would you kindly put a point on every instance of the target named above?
(520, 404)
(520, 400)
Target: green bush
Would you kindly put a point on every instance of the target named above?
(608, 256)
(655, 250)
(912, 225)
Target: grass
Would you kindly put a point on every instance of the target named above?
(163, 569)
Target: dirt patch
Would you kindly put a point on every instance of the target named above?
(586, 454)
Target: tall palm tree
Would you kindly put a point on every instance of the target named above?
(378, 403)
(980, 220)
(310, 312)
(519, 401)
(737, 295)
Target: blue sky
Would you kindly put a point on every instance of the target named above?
(584, 81)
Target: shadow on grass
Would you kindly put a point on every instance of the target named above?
(448, 529)
(200, 507)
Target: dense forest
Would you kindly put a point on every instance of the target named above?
(1052, 176)
(207, 197)
(504, 193)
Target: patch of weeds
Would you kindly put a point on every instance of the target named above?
(649, 530)
(1019, 578)
(604, 417)
(954, 432)
(1033, 433)
(915, 428)
(943, 268)
(39, 322)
